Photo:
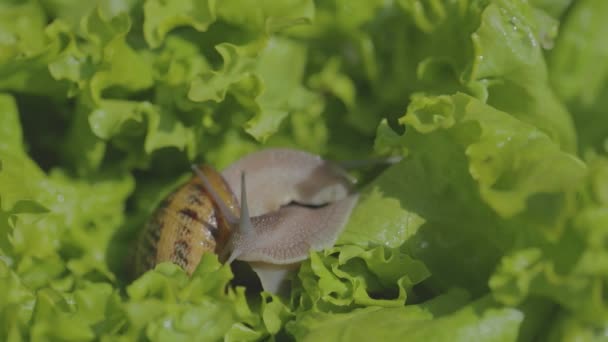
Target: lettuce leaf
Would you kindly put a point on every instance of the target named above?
(577, 72)
(357, 277)
(418, 322)
(571, 269)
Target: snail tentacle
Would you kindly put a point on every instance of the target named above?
(245, 228)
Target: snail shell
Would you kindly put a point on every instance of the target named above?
(186, 225)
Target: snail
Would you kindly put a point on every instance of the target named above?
(291, 202)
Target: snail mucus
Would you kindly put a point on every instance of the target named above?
(291, 202)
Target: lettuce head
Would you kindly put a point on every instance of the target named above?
(493, 226)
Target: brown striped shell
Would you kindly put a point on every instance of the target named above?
(186, 225)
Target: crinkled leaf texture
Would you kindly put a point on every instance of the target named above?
(571, 270)
(357, 277)
(503, 152)
(476, 321)
(577, 71)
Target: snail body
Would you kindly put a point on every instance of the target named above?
(292, 202)
(277, 177)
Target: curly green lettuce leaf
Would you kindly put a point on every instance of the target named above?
(282, 86)
(568, 328)
(357, 277)
(441, 201)
(74, 225)
(103, 68)
(92, 220)
(476, 321)
(130, 120)
(516, 68)
(22, 29)
(578, 73)
(16, 303)
(553, 7)
(577, 78)
(267, 16)
(73, 12)
(77, 226)
(131, 103)
(26, 49)
(262, 83)
(236, 71)
(162, 17)
(571, 270)
(82, 149)
(503, 152)
(18, 173)
(163, 304)
(472, 176)
(79, 314)
(73, 316)
(49, 217)
(442, 47)
(10, 126)
(166, 304)
(390, 225)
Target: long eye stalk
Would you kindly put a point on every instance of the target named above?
(245, 226)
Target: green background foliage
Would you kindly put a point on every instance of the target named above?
(493, 227)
